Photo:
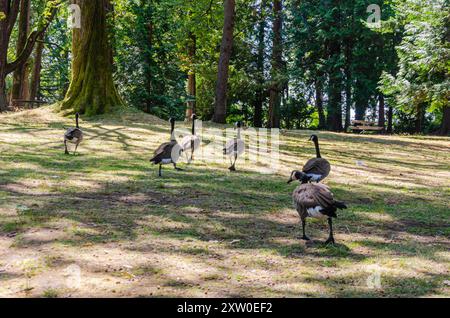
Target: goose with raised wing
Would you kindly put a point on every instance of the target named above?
(314, 200)
(169, 152)
(73, 135)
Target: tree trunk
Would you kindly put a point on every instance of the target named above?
(36, 78)
(277, 67)
(148, 66)
(10, 10)
(334, 107)
(220, 110)
(420, 117)
(20, 88)
(259, 102)
(390, 115)
(348, 83)
(92, 90)
(7, 21)
(319, 103)
(192, 83)
(381, 111)
(445, 127)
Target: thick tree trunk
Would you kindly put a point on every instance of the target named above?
(220, 110)
(192, 83)
(319, 104)
(334, 107)
(20, 89)
(445, 127)
(277, 67)
(259, 102)
(36, 77)
(92, 90)
(381, 111)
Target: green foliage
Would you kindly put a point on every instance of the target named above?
(422, 79)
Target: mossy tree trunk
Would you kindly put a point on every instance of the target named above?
(92, 90)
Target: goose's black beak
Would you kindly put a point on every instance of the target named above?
(290, 181)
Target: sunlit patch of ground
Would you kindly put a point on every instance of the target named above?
(101, 224)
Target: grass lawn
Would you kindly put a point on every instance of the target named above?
(105, 217)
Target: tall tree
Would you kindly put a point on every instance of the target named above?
(276, 86)
(37, 68)
(92, 90)
(224, 62)
(260, 94)
(20, 89)
(192, 83)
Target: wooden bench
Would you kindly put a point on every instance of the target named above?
(361, 126)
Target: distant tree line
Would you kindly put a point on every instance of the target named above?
(272, 63)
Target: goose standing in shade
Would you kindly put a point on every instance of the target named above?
(317, 168)
(190, 143)
(169, 152)
(73, 135)
(234, 147)
(314, 200)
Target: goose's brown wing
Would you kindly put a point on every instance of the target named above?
(166, 151)
(317, 166)
(309, 195)
(73, 134)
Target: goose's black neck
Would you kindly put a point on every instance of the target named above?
(76, 118)
(316, 142)
(193, 126)
(172, 130)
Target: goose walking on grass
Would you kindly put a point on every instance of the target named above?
(169, 152)
(234, 147)
(317, 168)
(314, 200)
(73, 135)
(190, 143)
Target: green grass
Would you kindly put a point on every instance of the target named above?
(206, 232)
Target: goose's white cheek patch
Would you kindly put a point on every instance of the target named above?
(315, 212)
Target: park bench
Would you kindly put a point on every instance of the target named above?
(361, 126)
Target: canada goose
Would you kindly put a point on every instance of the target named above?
(235, 147)
(316, 201)
(73, 135)
(317, 168)
(169, 152)
(190, 143)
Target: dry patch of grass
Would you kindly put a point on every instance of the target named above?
(102, 224)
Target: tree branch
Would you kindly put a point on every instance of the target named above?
(32, 38)
(12, 16)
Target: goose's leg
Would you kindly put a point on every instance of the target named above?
(233, 166)
(176, 168)
(65, 146)
(160, 166)
(304, 232)
(192, 150)
(76, 147)
(331, 237)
